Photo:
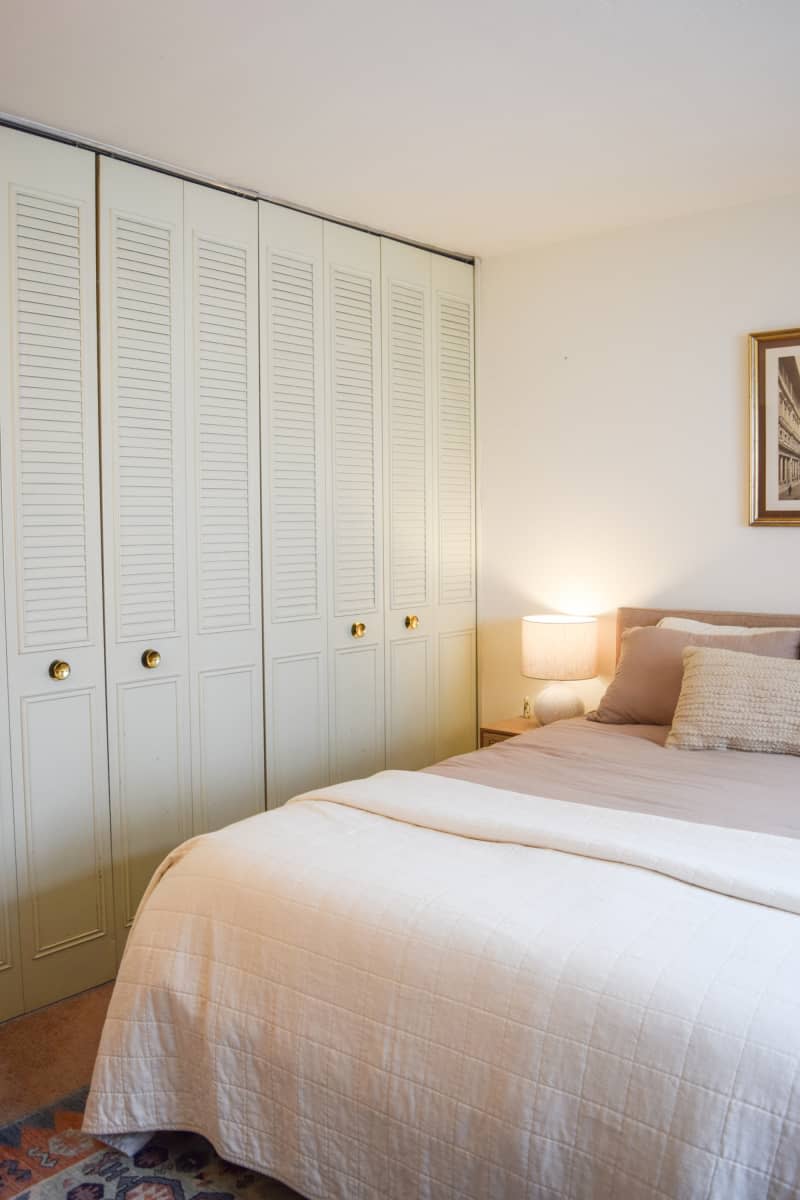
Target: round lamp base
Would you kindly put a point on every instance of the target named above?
(556, 702)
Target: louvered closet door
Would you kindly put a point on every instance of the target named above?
(221, 307)
(293, 497)
(144, 520)
(355, 624)
(454, 408)
(52, 571)
(409, 507)
(11, 998)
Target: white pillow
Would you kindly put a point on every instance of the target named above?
(689, 626)
(735, 701)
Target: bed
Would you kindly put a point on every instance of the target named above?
(567, 965)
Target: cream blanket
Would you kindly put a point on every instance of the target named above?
(413, 986)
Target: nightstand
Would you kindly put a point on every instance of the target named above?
(500, 731)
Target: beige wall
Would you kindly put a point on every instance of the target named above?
(613, 429)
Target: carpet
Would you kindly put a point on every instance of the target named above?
(45, 1156)
(49, 1053)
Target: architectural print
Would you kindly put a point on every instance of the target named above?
(775, 428)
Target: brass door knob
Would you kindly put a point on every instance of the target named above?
(59, 669)
(412, 622)
(358, 629)
(151, 659)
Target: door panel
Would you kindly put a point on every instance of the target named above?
(146, 422)
(409, 506)
(355, 422)
(357, 748)
(52, 571)
(221, 310)
(294, 542)
(410, 734)
(356, 622)
(150, 774)
(455, 411)
(299, 725)
(64, 811)
(408, 434)
(457, 697)
(144, 520)
(453, 380)
(230, 770)
(67, 893)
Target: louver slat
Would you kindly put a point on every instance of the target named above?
(293, 443)
(456, 500)
(408, 437)
(225, 553)
(142, 349)
(355, 583)
(50, 417)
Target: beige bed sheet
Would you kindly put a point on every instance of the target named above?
(628, 767)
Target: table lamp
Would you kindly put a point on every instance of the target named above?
(561, 647)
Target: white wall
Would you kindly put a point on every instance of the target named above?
(613, 428)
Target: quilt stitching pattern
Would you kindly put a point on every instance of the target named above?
(490, 1019)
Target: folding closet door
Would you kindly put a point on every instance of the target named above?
(144, 521)
(11, 997)
(294, 502)
(355, 525)
(52, 575)
(454, 463)
(220, 237)
(409, 506)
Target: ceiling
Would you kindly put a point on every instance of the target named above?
(480, 126)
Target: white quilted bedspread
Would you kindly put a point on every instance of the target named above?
(417, 987)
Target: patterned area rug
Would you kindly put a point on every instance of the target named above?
(46, 1157)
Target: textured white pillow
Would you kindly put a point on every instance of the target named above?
(735, 701)
(689, 626)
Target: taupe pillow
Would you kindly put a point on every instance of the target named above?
(647, 684)
(733, 701)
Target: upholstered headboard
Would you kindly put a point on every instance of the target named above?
(627, 618)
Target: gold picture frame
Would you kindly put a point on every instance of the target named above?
(775, 427)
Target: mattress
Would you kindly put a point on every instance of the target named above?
(429, 985)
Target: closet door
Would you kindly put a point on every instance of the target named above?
(52, 573)
(293, 496)
(454, 408)
(220, 252)
(144, 521)
(11, 998)
(355, 624)
(409, 507)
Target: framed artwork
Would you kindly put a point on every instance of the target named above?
(775, 427)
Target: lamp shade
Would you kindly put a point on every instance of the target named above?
(559, 647)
